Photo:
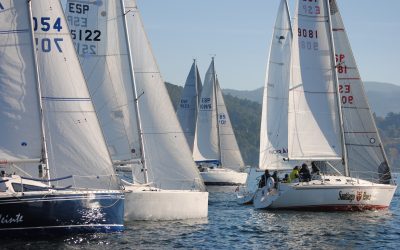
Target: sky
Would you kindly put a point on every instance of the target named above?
(238, 33)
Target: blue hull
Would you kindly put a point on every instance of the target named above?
(65, 212)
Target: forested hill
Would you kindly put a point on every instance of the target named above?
(246, 115)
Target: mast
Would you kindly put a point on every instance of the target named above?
(216, 109)
(335, 77)
(146, 178)
(44, 160)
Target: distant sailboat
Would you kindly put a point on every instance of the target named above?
(56, 175)
(274, 117)
(188, 104)
(215, 148)
(136, 114)
(329, 121)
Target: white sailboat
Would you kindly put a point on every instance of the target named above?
(329, 121)
(136, 114)
(189, 103)
(215, 148)
(274, 117)
(56, 173)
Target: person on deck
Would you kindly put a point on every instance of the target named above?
(294, 174)
(264, 178)
(314, 168)
(305, 174)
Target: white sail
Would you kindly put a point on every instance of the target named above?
(105, 63)
(274, 117)
(188, 104)
(74, 139)
(364, 147)
(313, 121)
(167, 154)
(20, 122)
(230, 154)
(206, 143)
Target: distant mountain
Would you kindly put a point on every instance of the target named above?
(383, 97)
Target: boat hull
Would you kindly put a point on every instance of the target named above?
(223, 177)
(62, 212)
(319, 197)
(155, 204)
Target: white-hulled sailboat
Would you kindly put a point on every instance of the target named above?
(274, 117)
(329, 120)
(215, 149)
(189, 103)
(56, 173)
(136, 113)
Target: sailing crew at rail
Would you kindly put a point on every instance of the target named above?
(294, 174)
(305, 174)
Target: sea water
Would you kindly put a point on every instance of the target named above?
(232, 226)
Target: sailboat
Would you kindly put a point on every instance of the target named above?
(215, 150)
(329, 122)
(56, 173)
(141, 129)
(274, 117)
(189, 103)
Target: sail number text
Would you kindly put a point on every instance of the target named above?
(46, 24)
(311, 7)
(344, 88)
(79, 32)
(184, 104)
(205, 103)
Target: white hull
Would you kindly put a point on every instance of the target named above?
(245, 193)
(223, 177)
(145, 203)
(334, 193)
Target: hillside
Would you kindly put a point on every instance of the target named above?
(383, 97)
(245, 115)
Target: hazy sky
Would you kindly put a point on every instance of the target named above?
(239, 33)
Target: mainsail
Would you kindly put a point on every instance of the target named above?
(188, 104)
(74, 139)
(314, 120)
(274, 118)
(20, 121)
(365, 153)
(106, 65)
(167, 154)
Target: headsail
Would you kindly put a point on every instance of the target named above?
(230, 154)
(75, 142)
(168, 156)
(313, 122)
(20, 122)
(366, 158)
(206, 142)
(188, 104)
(274, 118)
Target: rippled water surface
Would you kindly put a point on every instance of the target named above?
(230, 226)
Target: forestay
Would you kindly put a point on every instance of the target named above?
(188, 104)
(168, 156)
(313, 121)
(206, 141)
(74, 139)
(20, 122)
(104, 56)
(274, 117)
(365, 152)
(230, 154)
